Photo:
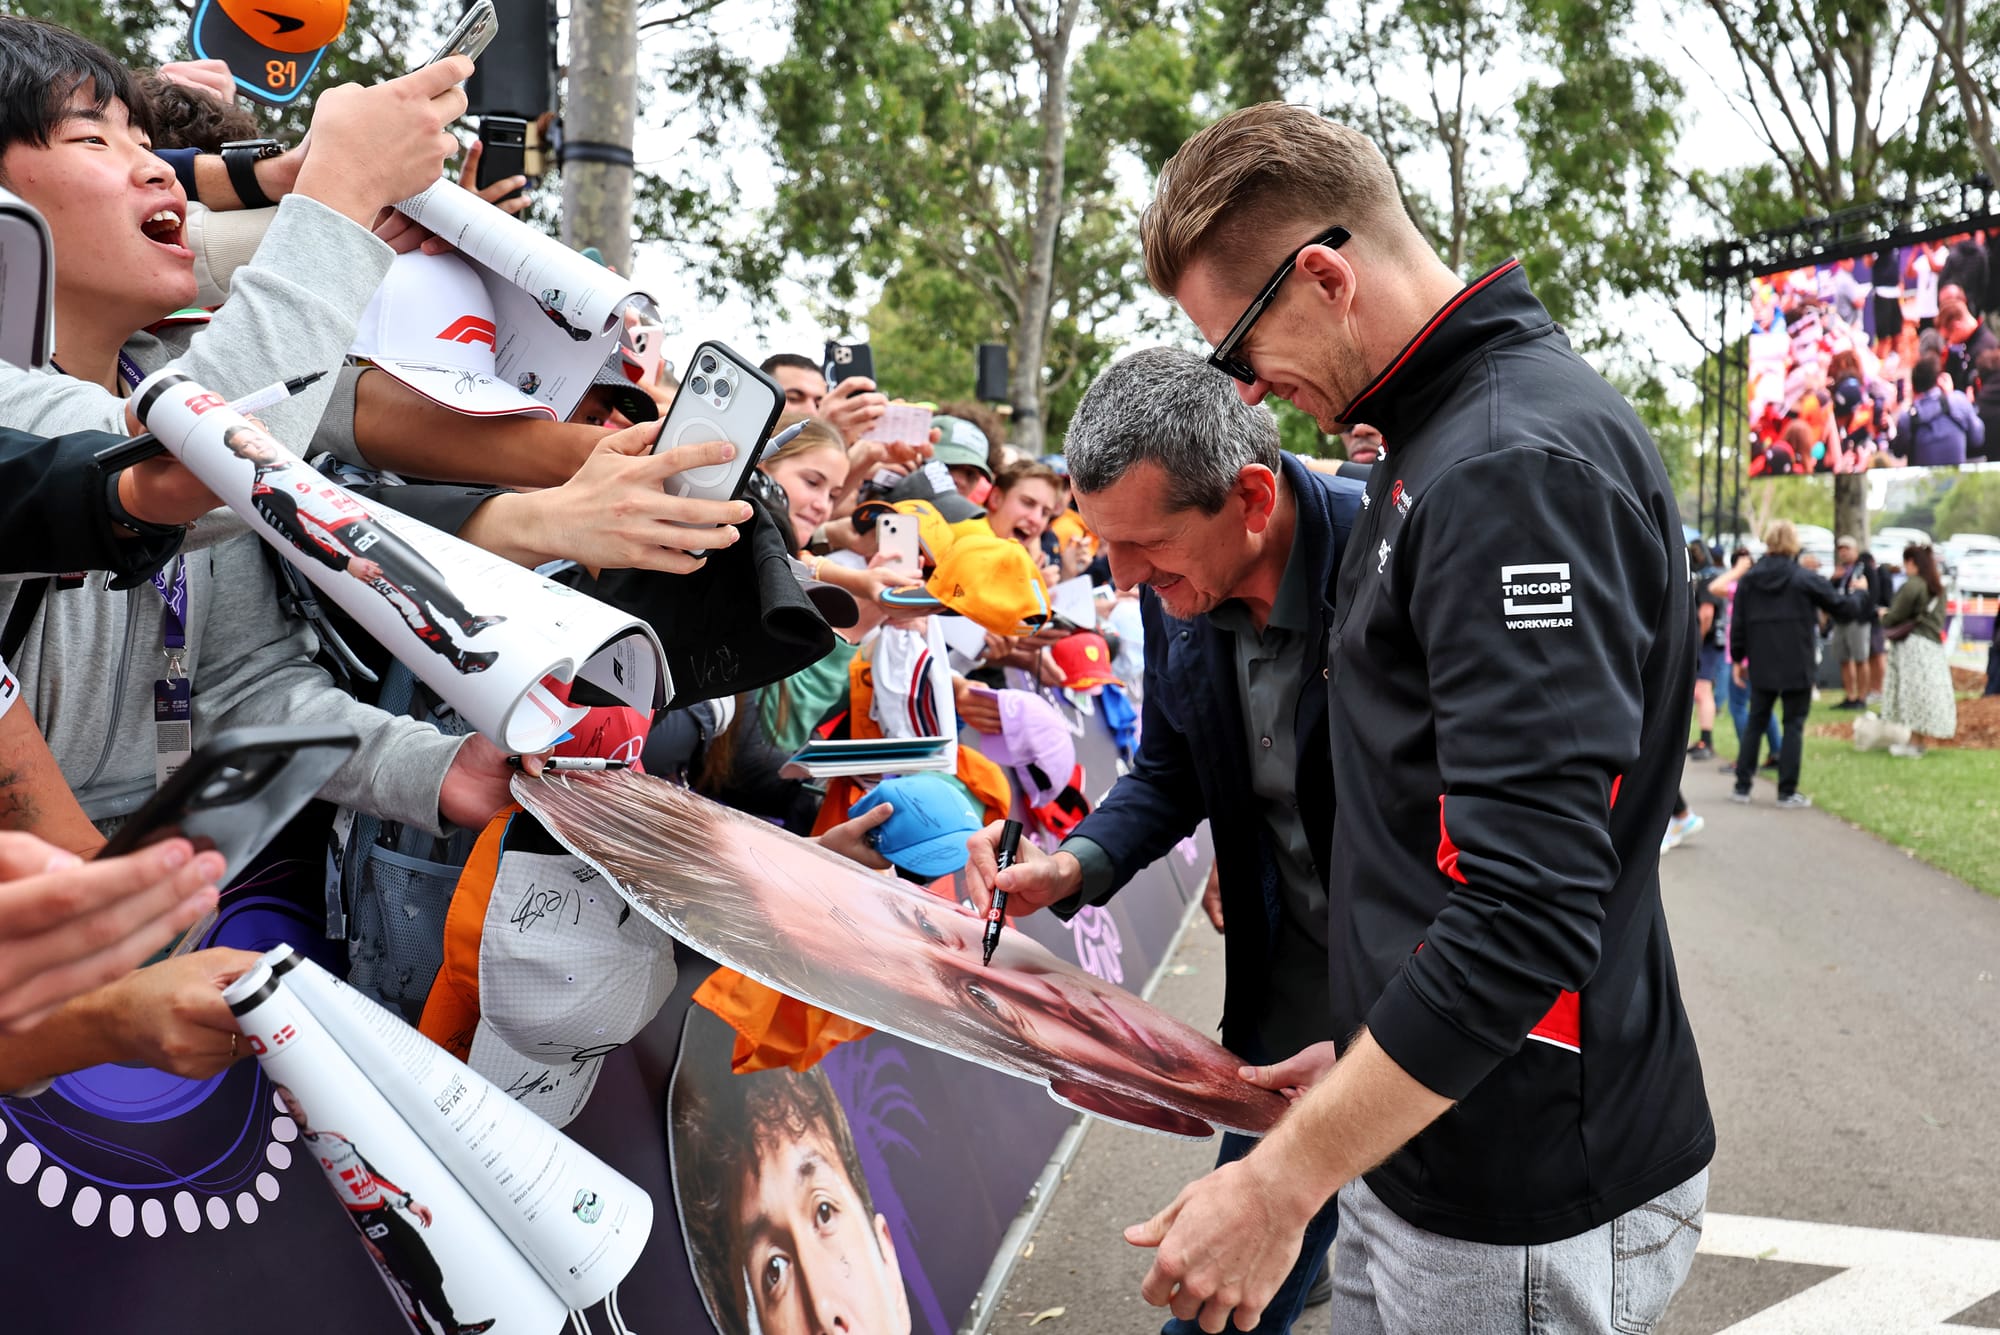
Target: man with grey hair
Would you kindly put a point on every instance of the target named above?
(1233, 545)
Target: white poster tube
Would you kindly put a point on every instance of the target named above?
(479, 630)
(557, 311)
(442, 1256)
(577, 1220)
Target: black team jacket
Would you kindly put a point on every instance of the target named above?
(1510, 674)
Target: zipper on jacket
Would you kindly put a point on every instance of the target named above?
(118, 690)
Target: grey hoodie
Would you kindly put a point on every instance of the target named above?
(91, 656)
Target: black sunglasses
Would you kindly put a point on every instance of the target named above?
(1224, 357)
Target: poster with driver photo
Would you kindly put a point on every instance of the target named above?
(784, 1235)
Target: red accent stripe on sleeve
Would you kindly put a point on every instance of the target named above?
(1447, 850)
(1563, 1025)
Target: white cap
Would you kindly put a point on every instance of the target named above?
(568, 972)
(431, 325)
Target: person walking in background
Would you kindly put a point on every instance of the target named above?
(1778, 602)
(1918, 691)
(1684, 825)
(1723, 586)
(1853, 640)
(1712, 657)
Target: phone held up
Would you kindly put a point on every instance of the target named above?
(503, 152)
(234, 794)
(724, 397)
(845, 361)
(475, 29)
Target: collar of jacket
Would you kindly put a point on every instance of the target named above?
(1312, 529)
(1494, 308)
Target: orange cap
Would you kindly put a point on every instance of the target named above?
(989, 579)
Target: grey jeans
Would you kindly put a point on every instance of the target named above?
(1391, 1278)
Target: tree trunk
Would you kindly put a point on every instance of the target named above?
(602, 106)
(1029, 431)
(1850, 507)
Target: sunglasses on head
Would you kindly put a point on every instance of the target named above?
(1224, 357)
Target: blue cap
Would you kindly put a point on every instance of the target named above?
(926, 834)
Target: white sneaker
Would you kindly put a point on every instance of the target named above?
(1905, 751)
(1680, 828)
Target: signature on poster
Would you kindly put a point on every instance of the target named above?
(1098, 947)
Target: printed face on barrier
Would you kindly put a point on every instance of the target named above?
(781, 1227)
(816, 1259)
(817, 927)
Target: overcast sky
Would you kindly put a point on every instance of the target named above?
(1714, 134)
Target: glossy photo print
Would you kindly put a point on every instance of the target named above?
(815, 926)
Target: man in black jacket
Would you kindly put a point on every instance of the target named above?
(1233, 546)
(1510, 680)
(1771, 645)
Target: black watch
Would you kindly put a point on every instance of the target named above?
(115, 506)
(240, 157)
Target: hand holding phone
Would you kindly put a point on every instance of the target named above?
(475, 29)
(234, 794)
(502, 154)
(853, 407)
(724, 397)
(896, 541)
(848, 361)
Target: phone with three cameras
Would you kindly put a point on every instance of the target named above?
(722, 397)
(475, 30)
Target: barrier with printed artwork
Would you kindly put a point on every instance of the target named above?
(172, 1192)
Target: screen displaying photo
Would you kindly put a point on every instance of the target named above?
(1879, 360)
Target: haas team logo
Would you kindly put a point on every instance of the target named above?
(471, 329)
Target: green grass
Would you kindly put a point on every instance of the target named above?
(1944, 808)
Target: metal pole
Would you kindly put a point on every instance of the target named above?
(1725, 418)
(1701, 435)
(601, 108)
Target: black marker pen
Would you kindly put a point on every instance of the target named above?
(1003, 858)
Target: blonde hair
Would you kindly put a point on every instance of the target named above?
(1781, 538)
(815, 433)
(1243, 187)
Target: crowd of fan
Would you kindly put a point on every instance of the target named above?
(161, 263)
(1879, 362)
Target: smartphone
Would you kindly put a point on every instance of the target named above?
(475, 28)
(503, 143)
(237, 791)
(234, 794)
(844, 361)
(723, 397)
(896, 540)
(27, 284)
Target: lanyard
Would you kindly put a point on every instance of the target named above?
(172, 585)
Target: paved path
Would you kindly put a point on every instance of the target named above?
(1845, 997)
